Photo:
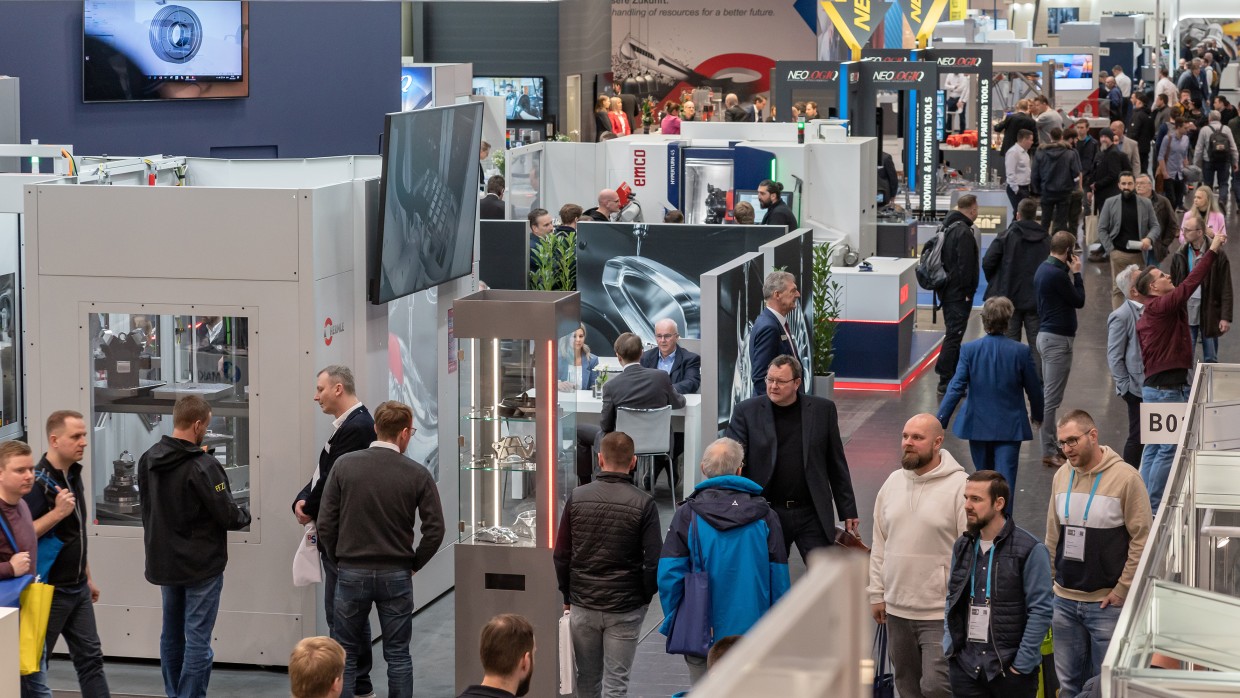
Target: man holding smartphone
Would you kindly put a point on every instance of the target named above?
(1061, 292)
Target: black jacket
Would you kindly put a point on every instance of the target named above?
(1168, 225)
(1141, 130)
(1008, 608)
(187, 511)
(1216, 296)
(960, 259)
(1087, 154)
(70, 566)
(491, 208)
(1013, 259)
(607, 551)
(781, 214)
(737, 113)
(1110, 163)
(1012, 126)
(356, 433)
(686, 372)
(1055, 169)
(595, 215)
(826, 468)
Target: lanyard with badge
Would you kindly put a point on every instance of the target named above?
(979, 616)
(1074, 536)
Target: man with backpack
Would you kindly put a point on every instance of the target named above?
(1217, 157)
(953, 260)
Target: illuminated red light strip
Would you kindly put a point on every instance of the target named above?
(553, 442)
(880, 322)
(891, 387)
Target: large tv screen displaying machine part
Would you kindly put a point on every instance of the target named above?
(428, 199)
(145, 50)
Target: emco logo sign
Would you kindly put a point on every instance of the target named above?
(959, 61)
(899, 75)
(639, 167)
(331, 329)
(813, 75)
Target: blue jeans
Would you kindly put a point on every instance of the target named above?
(1209, 345)
(185, 645)
(1156, 459)
(365, 659)
(72, 615)
(1218, 177)
(604, 645)
(392, 592)
(1082, 633)
(1001, 456)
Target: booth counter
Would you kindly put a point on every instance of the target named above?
(876, 347)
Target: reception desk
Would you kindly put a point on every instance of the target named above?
(876, 347)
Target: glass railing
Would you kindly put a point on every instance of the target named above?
(1179, 633)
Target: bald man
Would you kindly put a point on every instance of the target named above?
(733, 110)
(918, 515)
(1127, 146)
(608, 206)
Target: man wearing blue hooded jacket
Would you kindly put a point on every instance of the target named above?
(736, 539)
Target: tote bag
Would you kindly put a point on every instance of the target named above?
(11, 589)
(568, 660)
(884, 681)
(692, 633)
(35, 601)
(306, 570)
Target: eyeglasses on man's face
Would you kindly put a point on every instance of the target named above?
(776, 381)
(1072, 441)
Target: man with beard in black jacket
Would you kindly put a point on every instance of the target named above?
(960, 260)
(1141, 129)
(1010, 264)
(607, 561)
(187, 512)
(1107, 168)
(1013, 124)
(1056, 174)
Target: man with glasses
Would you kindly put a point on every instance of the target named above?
(1096, 527)
(681, 365)
(1209, 308)
(1161, 331)
(771, 336)
(794, 451)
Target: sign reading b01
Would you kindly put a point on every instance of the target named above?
(1161, 422)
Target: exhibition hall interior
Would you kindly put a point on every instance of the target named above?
(619, 347)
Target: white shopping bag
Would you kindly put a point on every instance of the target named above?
(306, 570)
(568, 663)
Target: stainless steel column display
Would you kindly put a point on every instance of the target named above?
(517, 455)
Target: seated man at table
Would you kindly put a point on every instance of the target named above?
(685, 369)
(635, 387)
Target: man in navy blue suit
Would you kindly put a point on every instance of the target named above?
(770, 335)
(354, 430)
(794, 450)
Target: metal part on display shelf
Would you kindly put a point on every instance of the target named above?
(120, 497)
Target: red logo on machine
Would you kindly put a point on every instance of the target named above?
(813, 75)
(899, 75)
(959, 61)
(639, 167)
(331, 330)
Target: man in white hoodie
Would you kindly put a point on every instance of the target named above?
(918, 515)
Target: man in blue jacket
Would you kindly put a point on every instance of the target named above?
(1061, 292)
(999, 598)
(732, 535)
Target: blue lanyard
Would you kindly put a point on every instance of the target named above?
(1067, 500)
(990, 564)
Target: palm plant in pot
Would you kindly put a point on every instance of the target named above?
(826, 314)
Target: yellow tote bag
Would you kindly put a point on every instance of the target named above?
(36, 606)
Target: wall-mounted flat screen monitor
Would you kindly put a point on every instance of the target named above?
(428, 200)
(143, 50)
(1056, 16)
(751, 195)
(1073, 71)
(523, 97)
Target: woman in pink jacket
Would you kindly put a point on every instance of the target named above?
(1205, 207)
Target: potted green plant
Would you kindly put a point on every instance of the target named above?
(827, 300)
(555, 263)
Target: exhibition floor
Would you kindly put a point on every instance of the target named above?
(871, 423)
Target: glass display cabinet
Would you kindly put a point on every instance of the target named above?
(142, 363)
(517, 455)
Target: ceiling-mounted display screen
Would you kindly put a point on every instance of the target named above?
(1056, 16)
(143, 50)
(523, 97)
(1073, 71)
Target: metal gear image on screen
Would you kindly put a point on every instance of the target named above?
(176, 34)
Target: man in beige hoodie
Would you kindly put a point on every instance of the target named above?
(918, 515)
(1096, 527)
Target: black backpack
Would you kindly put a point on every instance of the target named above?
(1219, 146)
(931, 274)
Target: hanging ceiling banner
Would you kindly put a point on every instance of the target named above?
(958, 10)
(922, 18)
(856, 20)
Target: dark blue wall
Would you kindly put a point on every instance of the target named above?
(322, 75)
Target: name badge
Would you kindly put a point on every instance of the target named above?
(979, 623)
(1074, 543)
(783, 337)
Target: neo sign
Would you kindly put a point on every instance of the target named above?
(1161, 422)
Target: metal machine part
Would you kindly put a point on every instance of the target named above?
(120, 497)
(176, 34)
(645, 291)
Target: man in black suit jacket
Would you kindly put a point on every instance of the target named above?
(635, 386)
(770, 335)
(491, 206)
(336, 393)
(733, 110)
(794, 451)
(685, 368)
